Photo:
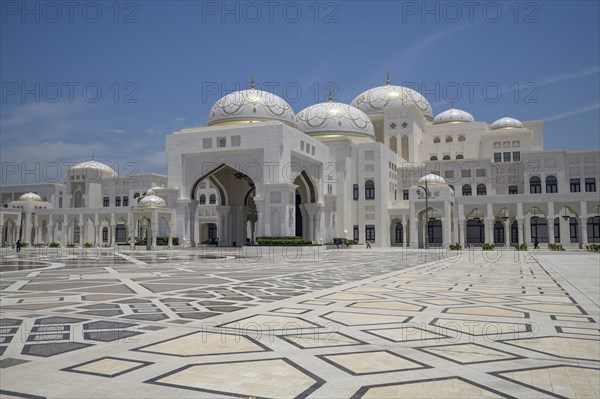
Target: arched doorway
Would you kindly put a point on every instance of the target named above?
(305, 194)
(236, 208)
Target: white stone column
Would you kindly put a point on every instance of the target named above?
(154, 228)
(521, 238)
(446, 231)
(584, 235)
(507, 233)
(488, 230)
(113, 234)
(65, 231)
(26, 237)
(192, 206)
(222, 225)
(404, 231)
(527, 232)
(550, 224)
(97, 240)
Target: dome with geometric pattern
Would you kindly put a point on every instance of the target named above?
(96, 166)
(432, 179)
(33, 197)
(251, 106)
(506, 123)
(453, 115)
(333, 118)
(152, 201)
(379, 99)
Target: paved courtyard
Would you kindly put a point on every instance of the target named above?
(321, 324)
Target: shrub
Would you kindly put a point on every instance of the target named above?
(54, 245)
(455, 247)
(39, 245)
(521, 247)
(488, 247)
(341, 241)
(24, 245)
(88, 245)
(556, 247)
(593, 247)
(71, 245)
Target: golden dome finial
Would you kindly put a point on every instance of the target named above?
(252, 81)
(387, 81)
(452, 104)
(330, 98)
(93, 157)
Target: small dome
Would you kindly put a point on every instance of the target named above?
(152, 201)
(379, 99)
(432, 179)
(506, 123)
(453, 115)
(251, 106)
(30, 197)
(334, 118)
(95, 165)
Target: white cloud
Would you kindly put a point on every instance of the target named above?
(573, 112)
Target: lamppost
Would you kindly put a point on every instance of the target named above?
(426, 189)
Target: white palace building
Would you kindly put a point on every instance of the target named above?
(381, 169)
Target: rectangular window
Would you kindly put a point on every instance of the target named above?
(575, 185)
(117, 201)
(105, 202)
(573, 227)
(370, 233)
(513, 189)
(355, 192)
(516, 156)
(356, 233)
(506, 156)
(125, 200)
(405, 194)
(497, 157)
(557, 230)
(207, 142)
(465, 173)
(221, 142)
(590, 184)
(236, 141)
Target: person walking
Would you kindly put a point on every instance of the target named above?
(536, 244)
(368, 244)
(18, 246)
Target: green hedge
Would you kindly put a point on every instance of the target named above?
(593, 247)
(160, 241)
(283, 241)
(455, 247)
(556, 247)
(521, 247)
(488, 247)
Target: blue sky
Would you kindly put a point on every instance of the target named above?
(160, 66)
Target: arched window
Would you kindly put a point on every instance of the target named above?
(535, 185)
(213, 199)
(78, 200)
(481, 189)
(460, 156)
(433, 158)
(446, 157)
(551, 184)
(466, 190)
(105, 234)
(436, 140)
(369, 190)
(202, 199)
(461, 137)
(449, 139)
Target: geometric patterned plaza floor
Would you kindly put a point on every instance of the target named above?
(380, 323)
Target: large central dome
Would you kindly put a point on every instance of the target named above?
(382, 98)
(251, 106)
(333, 118)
